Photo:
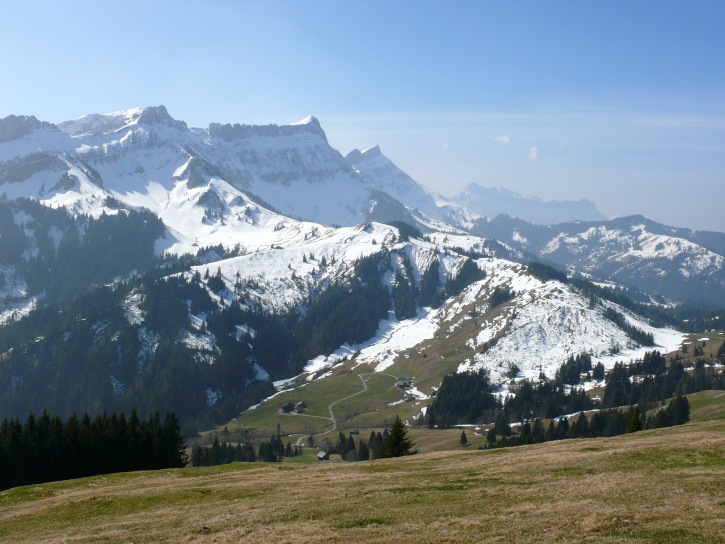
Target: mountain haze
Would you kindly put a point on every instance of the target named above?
(492, 201)
(148, 264)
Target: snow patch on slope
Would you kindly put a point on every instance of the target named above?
(544, 325)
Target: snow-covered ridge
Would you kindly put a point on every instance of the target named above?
(601, 242)
(545, 324)
(309, 125)
(97, 125)
(137, 157)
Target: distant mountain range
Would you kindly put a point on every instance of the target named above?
(491, 202)
(676, 263)
(147, 264)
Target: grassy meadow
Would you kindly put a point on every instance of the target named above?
(665, 485)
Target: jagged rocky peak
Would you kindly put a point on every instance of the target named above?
(97, 124)
(309, 124)
(13, 127)
(158, 115)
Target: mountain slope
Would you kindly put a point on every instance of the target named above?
(204, 183)
(279, 296)
(388, 178)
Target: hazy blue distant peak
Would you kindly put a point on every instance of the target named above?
(13, 127)
(356, 156)
(493, 201)
(474, 189)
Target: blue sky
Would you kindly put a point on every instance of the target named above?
(619, 102)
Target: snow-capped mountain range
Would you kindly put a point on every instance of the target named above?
(145, 158)
(274, 217)
(675, 263)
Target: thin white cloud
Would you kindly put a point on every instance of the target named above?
(445, 147)
(533, 153)
(504, 139)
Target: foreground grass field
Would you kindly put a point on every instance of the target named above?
(666, 485)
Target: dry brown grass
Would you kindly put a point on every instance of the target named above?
(655, 486)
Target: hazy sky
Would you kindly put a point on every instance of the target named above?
(619, 102)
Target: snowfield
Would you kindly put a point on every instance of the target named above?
(545, 324)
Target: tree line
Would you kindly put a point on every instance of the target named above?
(84, 251)
(45, 448)
(221, 453)
(610, 422)
(468, 397)
(652, 379)
(392, 442)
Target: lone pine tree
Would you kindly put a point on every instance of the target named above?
(396, 443)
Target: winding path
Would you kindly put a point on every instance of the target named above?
(365, 388)
(329, 407)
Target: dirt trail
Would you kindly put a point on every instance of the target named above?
(329, 407)
(365, 388)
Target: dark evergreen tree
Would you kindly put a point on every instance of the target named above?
(397, 443)
(501, 295)
(502, 426)
(538, 432)
(197, 457)
(546, 273)
(526, 432)
(562, 429)
(680, 408)
(634, 422)
(462, 398)
(429, 283)
(467, 274)
(403, 297)
(363, 452)
(266, 453)
(580, 429)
